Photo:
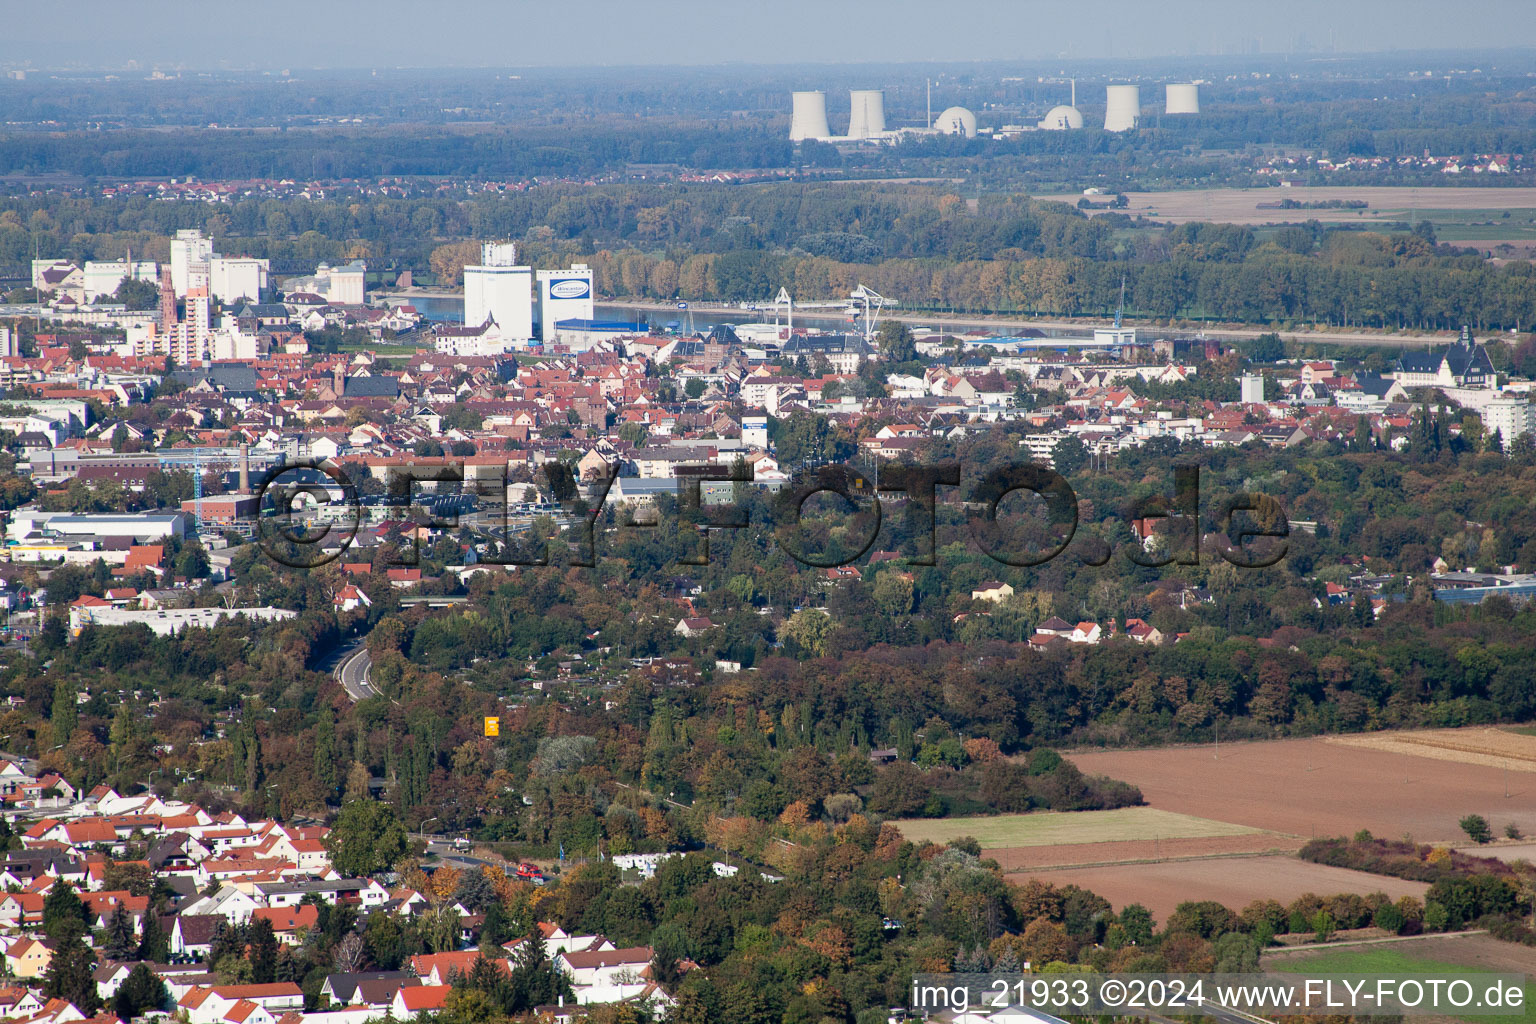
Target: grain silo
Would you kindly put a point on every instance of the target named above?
(1183, 98)
(1122, 112)
(809, 120)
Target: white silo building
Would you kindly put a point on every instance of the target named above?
(1122, 112)
(866, 114)
(809, 120)
(956, 121)
(500, 290)
(1183, 98)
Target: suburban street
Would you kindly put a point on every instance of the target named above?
(352, 672)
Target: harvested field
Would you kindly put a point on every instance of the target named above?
(1232, 881)
(1312, 787)
(1055, 828)
(1506, 852)
(1484, 745)
(1018, 858)
(1241, 205)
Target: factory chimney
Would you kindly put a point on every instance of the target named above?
(167, 299)
(245, 468)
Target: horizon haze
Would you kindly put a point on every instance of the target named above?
(514, 33)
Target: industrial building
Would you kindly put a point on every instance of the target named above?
(564, 295)
(168, 621)
(1122, 111)
(233, 278)
(581, 335)
(866, 114)
(1062, 119)
(1183, 98)
(189, 249)
(500, 290)
(30, 522)
(956, 121)
(809, 117)
(105, 277)
(195, 265)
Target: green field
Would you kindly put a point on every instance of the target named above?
(1060, 828)
(1394, 962)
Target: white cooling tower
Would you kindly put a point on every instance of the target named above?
(809, 120)
(1183, 99)
(866, 118)
(1123, 110)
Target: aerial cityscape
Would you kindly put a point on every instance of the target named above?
(985, 515)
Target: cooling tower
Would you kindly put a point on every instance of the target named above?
(866, 118)
(1184, 99)
(809, 120)
(1123, 111)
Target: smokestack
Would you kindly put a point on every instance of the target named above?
(167, 300)
(245, 469)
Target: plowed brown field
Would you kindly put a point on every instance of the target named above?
(1314, 787)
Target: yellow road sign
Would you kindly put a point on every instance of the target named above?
(492, 726)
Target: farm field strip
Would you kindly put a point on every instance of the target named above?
(1058, 828)
(1241, 206)
(1495, 748)
(1232, 881)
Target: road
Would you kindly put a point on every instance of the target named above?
(352, 673)
(1064, 328)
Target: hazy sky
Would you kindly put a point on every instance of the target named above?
(512, 33)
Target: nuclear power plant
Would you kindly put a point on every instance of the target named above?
(1183, 98)
(866, 116)
(809, 120)
(1063, 118)
(867, 122)
(956, 121)
(1122, 109)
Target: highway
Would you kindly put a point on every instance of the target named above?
(352, 673)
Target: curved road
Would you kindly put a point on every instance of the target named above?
(352, 673)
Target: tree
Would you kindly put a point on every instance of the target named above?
(66, 712)
(1476, 828)
(63, 913)
(154, 943)
(806, 632)
(71, 976)
(262, 951)
(1069, 455)
(366, 839)
(142, 990)
(448, 262)
(896, 342)
(670, 946)
(1266, 348)
(694, 388)
(536, 981)
(475, 891)
(137, 295)
(121, 942)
